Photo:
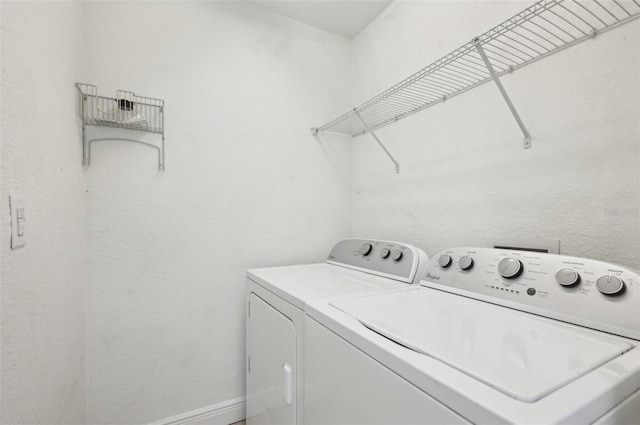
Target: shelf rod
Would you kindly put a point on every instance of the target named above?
(366, 127)
(496, 79)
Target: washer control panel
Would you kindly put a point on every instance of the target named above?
(585, 292)
(389, 259)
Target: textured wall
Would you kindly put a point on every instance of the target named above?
(464, 173)
(246, 185)
(43, 283)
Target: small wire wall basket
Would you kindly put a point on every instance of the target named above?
(125, 111)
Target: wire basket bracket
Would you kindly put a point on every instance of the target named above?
(131, 117)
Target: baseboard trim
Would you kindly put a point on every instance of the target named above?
(224, 413)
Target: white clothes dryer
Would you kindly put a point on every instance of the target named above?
(490, 336)
(276, 302)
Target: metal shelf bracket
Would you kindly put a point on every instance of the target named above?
(131, 118)
(503, 92)
(86, 147)
(366, 127)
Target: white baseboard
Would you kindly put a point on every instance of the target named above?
(224, 413)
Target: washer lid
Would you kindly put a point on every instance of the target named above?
(300, 284)
(523, 356)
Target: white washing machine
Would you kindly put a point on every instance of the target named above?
(490, 336)
(276, 304)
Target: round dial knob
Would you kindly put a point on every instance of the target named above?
(567, 277)
(397, 255)
(366, 249)
(465, 262)
(444, 261)
(509, 268)
(385, 252)
(610, 285)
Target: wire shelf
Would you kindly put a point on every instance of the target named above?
(542, 29)
(125, 111)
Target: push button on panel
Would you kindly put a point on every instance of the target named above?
(610, 285)
(531, 291)
(444, 261)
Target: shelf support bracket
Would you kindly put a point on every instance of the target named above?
(503, 92)
(366, 127)
(86, 146)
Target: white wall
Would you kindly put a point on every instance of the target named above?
(464, 173)
(43, 283)
(246, 185)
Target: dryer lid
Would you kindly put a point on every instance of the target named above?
(519, 354)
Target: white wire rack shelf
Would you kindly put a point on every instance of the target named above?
(125, 111)
(540, 30)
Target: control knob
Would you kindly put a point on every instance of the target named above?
(385, 253)
(465, 262)
(397, 255)
(567, 277)
(610, 285)
(366, 249)
(444, 261)
(510, 268)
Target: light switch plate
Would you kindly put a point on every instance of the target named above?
(18, 221)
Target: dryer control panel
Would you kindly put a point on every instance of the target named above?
(586, 292)
(383, 258)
